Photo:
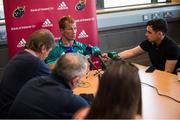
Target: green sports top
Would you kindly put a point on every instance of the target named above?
(61, 49)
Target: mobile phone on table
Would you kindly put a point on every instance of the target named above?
(150, 69)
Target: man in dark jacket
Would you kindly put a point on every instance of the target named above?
(52, 96)
(24, 66)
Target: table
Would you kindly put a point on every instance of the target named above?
(154, 105)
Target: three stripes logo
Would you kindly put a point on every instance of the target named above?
(21, 43)
(47, 23)
(83, 34)
(62, 6)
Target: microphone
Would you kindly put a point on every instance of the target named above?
(96, 54)
(69, 50)
(99, 55)
(114, 55)
(92, 65)
(89, 51)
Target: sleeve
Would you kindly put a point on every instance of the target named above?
(42, 69)
(145, 45)
(172, 52)
(54, 55)
(95, 49)
(78, 102)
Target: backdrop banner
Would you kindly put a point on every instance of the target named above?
(25, 16)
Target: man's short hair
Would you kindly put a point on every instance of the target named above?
(40, 38)
(158, 25)
(62, 21)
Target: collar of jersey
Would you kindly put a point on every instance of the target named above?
(63, 45)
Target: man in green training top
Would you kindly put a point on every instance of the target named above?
(67, 43)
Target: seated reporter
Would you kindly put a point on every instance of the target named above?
(24, 66)
(118, 95)
(52, 96)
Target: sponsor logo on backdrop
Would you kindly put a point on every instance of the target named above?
(42, 9)
(82, 34)
(47, 23)
(80, 5)
(21, 43)
(23, 27)
(62, 6)
(38, 14)
(85, 20)
(19, 12)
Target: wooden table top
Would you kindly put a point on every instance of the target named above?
(154, 105)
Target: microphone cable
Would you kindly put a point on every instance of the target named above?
(160, 93)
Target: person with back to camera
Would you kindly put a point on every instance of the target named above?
(118, 95)
(67, 43)
(24, 66)
(162, 50)
(52, 96)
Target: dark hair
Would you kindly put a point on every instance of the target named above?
(119, 93)
(62, 21)
(40, 38)
(70, 65)
(158, 25)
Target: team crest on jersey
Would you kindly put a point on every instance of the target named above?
(80, 5)
(18, 12)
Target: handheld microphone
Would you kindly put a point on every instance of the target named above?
(99, 55)
(89, 51)
(92, 65)
(114, 55)
(96, 54)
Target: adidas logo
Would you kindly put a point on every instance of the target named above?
(83, 34)
(47, 23)
(62, 6)
(21, 43)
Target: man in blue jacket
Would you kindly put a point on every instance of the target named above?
(52, 96)
(24, 66)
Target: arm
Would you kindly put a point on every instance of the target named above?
(131, 52)
(170, 65)
(95, 49)
(54, 56)
(51, 63)
(51, 66)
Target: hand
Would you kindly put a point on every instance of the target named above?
(105, 57)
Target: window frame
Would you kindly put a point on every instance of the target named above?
(100, 4)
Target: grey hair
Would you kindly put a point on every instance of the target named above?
(70, 65)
